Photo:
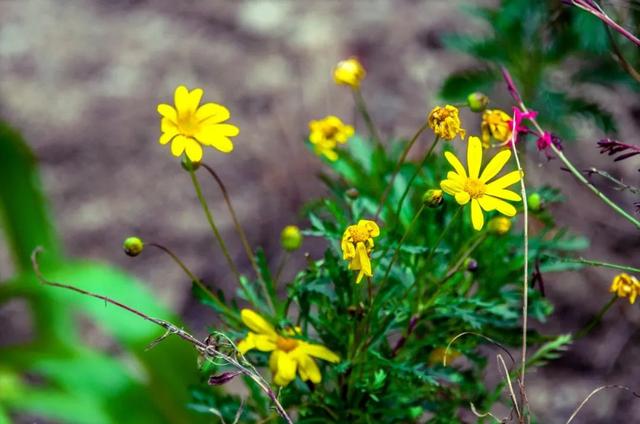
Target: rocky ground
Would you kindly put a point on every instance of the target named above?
(81, 79)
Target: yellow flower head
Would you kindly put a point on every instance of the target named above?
(475, 186)
(327, 133)
(496, 124)
(288, 354)
(625, 285)
(349, 72)
(499, 225)
(189, 126)
(445, 122)
(357, 243)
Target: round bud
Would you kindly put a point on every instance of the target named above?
(499, 225)
(133, 246)
(477, 101)
(188, 165)
(534, 201)
(432, 198)
(291, 238)
(352, 193)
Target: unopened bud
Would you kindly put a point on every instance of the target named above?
(499, 225)
(534, 201)
(471, 264)
(291, 238)
(432, 198)
(133, 246)
(477, 101)
(188, 165)
(223, 378)
(352, 193)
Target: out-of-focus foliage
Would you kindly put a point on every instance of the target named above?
(548, 46)
(58, 374)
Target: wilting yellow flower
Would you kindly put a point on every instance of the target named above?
(625, 285)
(288, 354)
(189, 126)
(475, 187)
(445, 122)
(349, 72)
(496, 124)
(327, 133)
(357, 243)
(437, 355)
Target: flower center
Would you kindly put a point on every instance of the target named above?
(475, 187)
(188, 124)
(285, 344)
(329, 131)
(359, 234)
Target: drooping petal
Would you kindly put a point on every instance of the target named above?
(371, 226)
(178, 145)
(474, 156)
(256, 323)
(308, 368)
(212, 113)
(194, 150)
(286, 369)
(462, 197)
(168, 112)
(365, 263)
(506, 180)
(318, 351)
(450, 187)
(355, 264)
(503, 207)
(455, 162)
(495, 165)
(477, 218)
(503, 194)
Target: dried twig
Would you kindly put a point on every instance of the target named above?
(594, 392)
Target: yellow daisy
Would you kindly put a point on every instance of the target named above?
(625, 285)
(189, 126)
(349, 72)
(445, 122)
(496, 124)
(357, 244)
(288, 354)
(325, 135)
(475, 186)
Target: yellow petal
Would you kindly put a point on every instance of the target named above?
(247, 344)
(194, 98)
(286, 367)
(450, 187)
(178, 145)
(454, 176)
(308, 368)
(318, 351)
(167, 125)
(360, 276)
(330, 154)
(211, 138)
(503, 194)
(371, 226)
(264, 342)
(212, 113)
(168, 112)
(495, 165)
(474, 156)
(503, 207)
(166, 137)
(194, 150)
(273, 361)
(226, 130)
(477, 218)
(365, 263)
(506, 180)
(455, 162)
(462, 197)
(181, 99)
(256, 323)
(487, 203)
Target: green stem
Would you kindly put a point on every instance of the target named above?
(212, 224)
(596, 263)
(405, 152)
(242, 235)
(415, 174)
(442, 234)
(596, 320)
(362, 107)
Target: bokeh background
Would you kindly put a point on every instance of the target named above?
(81, 80)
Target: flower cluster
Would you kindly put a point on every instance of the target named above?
(625, 285)
(357, 244)
(327, 133)
(445, 122)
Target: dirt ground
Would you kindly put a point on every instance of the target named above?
(81, 80)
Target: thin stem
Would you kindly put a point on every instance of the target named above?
(362, 107)
(280, 268)
(225, 310)
(212, 224)
(455, 268)
(415, 174)
(606, 175)
(596, 319)
(404, 236)
(403, 156)
(600, 14)
(596, 263)
(442, 234)
(242, 235)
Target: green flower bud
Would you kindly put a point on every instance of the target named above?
(499, 225)
(291, 238)
(534, 201)
(188, 165)
(477, 101)
(432, 198)
(133, 246)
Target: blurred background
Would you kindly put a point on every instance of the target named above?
(80, 80)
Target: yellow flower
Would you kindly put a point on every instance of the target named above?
(349, 72)
(445, 122)
(475, 187)
(189, 126)
(357, 243)
(625, 285)
(327, 133)
(288, 354)
(496, 124)
(499, 225)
